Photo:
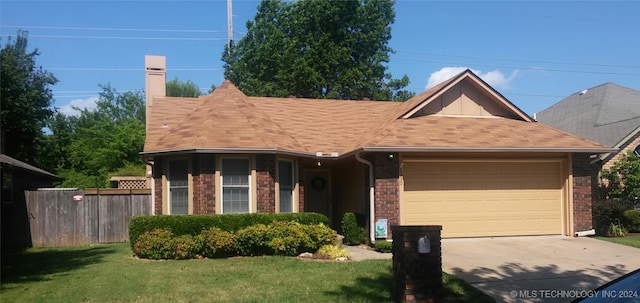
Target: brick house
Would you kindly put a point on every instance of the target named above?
(608, 114)
(458, 155)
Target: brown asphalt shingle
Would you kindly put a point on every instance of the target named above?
(228, 119)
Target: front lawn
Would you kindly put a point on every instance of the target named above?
(628, 240)
(109, 273)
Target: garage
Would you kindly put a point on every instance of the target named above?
(484, 198)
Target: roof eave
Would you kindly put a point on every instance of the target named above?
(224, 150)
(594, 150)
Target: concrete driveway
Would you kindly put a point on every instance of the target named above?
(537, 269)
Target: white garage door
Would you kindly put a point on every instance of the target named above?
(471, 199)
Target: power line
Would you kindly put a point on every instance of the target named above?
(124, 38)
(126, 69)
(523, 68)
(116, 29)
(519, 60)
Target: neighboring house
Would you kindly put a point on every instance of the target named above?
(608, 114)
(458, 155)
(17, 177)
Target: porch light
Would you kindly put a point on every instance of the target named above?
(318, 164)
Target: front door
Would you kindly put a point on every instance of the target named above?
(317, 193)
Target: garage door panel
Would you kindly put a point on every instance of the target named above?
(483, 198)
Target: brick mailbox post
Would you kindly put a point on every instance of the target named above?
(417, 263)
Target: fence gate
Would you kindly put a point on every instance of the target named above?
(75, 217)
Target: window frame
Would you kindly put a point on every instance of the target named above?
(293, 185)
(168, 183)
(249, 186)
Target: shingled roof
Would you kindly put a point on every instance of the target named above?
(227, 121)
(606, 114)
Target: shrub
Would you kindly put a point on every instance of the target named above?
(216, 243)
(632, 218)
(605, 214)
(383, 246)
(320, 235)
(156, 244)
(252, 241)
(352, 232)
(288, 239)
(332, 251)
(283, 238)
(194, 224)
(186, 247)
(616, 230)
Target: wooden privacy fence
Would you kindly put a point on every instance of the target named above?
(75, 217)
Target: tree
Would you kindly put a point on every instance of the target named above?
(25, 97)
(176, 88)
(101, 141)
(623, 180)
(316, 49)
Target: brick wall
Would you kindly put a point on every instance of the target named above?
(157, 179)
(387, 196)
(204, 187)
(623, 150)
(582, 193)
(417, 277)
(300, 187)
(266, 184)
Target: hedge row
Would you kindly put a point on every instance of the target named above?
(194, 224)
(278, 238)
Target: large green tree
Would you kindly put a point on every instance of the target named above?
(88, 148)
(317, 49)
(177, 88)
(25, 97)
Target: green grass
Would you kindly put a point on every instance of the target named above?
(109, 273)
(628, 240)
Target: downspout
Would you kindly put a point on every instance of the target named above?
(372, 212)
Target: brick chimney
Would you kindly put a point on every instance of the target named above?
(155, 80)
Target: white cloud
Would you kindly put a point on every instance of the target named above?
(88, 103)
(494, 78)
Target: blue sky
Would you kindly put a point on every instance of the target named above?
(534, 53)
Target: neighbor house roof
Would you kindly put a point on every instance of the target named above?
(4, 159)
(606, 114)
(227, 121)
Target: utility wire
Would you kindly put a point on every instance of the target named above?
(519, 60)
(523, 68)
(117, 29)
(125, 69)
(124, 38)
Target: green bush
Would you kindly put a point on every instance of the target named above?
(606, 214)
(252, 241)
(352, 232)
(332, 251)
(320, 235)
(186, 247)
(283, 238)
(632, 218)
(194, 224)
(156, 244)
(616, 230)
(383, 246)
(216, 243)
(288, 239)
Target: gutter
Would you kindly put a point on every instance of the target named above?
(487, 149)
(372, 212)
(226, 151)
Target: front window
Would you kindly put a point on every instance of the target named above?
(178, 187)
(286, 184)
(235, 177)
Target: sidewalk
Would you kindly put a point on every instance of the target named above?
(359, 253)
